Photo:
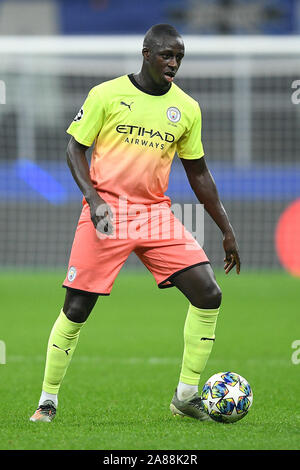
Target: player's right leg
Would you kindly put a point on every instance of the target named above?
(61, 346)
(93, 266)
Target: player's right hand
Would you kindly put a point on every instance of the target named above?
(101, 215)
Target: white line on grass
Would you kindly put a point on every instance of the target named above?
(153, 361)
(101, 359)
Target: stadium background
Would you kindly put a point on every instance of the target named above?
(250, 125)
(242, 59)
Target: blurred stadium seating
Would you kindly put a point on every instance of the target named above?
(135, 16)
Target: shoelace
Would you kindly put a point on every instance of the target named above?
(197, 402)
(47, 408)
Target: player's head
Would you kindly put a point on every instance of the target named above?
(163, 50)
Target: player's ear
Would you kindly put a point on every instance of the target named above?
(146, 53)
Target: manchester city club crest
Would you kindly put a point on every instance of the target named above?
(72, 274)
(173, 114)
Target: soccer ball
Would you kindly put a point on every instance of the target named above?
(227, 397)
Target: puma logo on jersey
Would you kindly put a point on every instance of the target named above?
(128, 105)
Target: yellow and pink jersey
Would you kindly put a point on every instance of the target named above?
(136, 135)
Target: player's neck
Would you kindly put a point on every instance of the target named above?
(146, 82)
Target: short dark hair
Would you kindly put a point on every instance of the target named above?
(156, 32)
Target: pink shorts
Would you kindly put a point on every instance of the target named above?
(158, 238)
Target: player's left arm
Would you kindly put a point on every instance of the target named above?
(205, 189)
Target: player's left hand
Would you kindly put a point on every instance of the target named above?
(232, 257)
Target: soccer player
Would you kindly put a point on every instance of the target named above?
(137, 123)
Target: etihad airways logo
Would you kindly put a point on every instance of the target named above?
(138, 131)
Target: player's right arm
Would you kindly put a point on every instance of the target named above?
(80, 170)
(84, 130)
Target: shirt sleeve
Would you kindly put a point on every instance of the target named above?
(89, 119)
(190, 145)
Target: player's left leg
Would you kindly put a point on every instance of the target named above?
(199, 285)
(176, 259)
(197, 282)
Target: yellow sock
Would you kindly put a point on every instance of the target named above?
(199, 335)
(61, 345)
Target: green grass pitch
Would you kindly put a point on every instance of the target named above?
(117, 391)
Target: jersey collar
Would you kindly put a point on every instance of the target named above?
(135, 83)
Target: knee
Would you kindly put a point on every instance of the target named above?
(76, 309)
(76, 312)
(78, 306)
(210, 297)
(215, 297)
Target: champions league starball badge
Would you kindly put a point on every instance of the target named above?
(173, 114)
(78, 115)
